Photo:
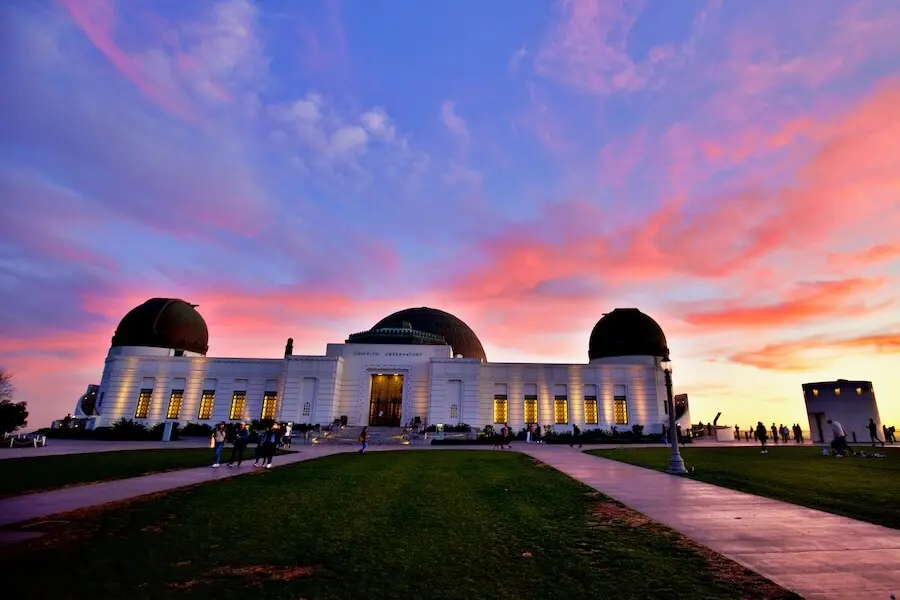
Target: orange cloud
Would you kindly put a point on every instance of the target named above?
(808, 302)
(792, 356)
(867, 257)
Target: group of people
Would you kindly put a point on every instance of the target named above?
(780, 432)
(270, 439)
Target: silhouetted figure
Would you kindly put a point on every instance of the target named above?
(839, 442)
(576, 436)
(748, 434)
(774, 433)
(762, 436)
(873, 433)
(709, 429)
(737, 433)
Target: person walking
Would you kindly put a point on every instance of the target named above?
(288, 430)
(762, 435)
(363, 437)
(218, 443)
(260, 453)
(774, 433)
(241, 438)
(873, 433)
(270, 445)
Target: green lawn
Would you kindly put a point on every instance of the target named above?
(412, 524)
(40, 473)
(862, 488)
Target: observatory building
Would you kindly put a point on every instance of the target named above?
(850, 403)
(418, 363)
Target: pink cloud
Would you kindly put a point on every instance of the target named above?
(620, 157)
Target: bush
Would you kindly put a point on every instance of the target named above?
(156, 432)
(196, 430)
(479, 441)
(458, 428)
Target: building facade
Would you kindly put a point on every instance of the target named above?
(417, 365)
(850, 403)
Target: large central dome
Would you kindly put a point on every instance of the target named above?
(431, 320)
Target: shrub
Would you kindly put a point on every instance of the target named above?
(458, 428)
(196, 430)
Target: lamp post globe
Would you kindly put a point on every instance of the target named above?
(676, 463)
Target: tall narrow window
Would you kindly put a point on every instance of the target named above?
(306, 409)
(206, 405)
(238, 401)
(175, 401)
(590, 410)
(531, 410)
(500, 406)
(620, 405)
(270, 399)
(454, 412)
(561, 409)
(143, 404)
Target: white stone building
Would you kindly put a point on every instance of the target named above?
(850, 403)
(417, 364)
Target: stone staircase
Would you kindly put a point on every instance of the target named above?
(377, 436)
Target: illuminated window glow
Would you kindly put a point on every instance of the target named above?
(561, 410)
(621, 411)
(175, 401)
(238, 401)
(270, 400)
(815, 392)
(500, 409)
(143, 404)
(859, 391)
(837, 391)
(206, 405)
(531, 410)
(590, 410)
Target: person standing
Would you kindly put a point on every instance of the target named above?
(270, 446)
(363, 437)
(774, 433)
(873, 433)
(218, 443)
(288, 430)
(762, 435)
(241, 438)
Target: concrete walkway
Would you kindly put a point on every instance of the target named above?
(43, 504)
(815, 554)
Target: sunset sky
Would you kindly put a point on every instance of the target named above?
(302, 169)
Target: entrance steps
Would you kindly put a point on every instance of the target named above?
(376, 436)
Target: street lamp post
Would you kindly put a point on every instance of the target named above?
(676, 463)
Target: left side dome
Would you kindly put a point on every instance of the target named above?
(163, 323)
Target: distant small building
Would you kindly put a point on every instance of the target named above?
(850, 403)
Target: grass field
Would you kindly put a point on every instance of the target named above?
(862, 488)
(40, 473)
(448, 524)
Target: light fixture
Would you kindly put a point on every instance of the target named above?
(666, 365)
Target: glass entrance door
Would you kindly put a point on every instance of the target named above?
(386, 400)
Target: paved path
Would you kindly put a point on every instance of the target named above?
(43, 504)
(57, 447)
(816, 554)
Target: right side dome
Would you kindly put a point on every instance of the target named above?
(627, 332)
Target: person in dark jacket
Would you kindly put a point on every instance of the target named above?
(363, 440)
(241, 439)
(260, 453)
(873, 432)
(270, 445)
(762, 435)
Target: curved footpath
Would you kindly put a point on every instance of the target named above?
(815, 554)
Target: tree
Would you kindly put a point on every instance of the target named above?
(12, 414)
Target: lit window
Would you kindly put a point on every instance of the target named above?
(454, 411)
(621, 411)
(859, 391)
(306, 409)
(590, 410)
(837, 391)
(268, 405)
(206, 405)
(143, 404)
(531, 410)
(500, 405)
(561, 410)
(816, 392)
(238, 400)
(175, 401)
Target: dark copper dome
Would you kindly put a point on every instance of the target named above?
(431, 320)
(163, 323)
(627, 332)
